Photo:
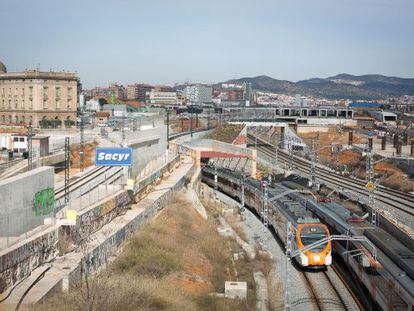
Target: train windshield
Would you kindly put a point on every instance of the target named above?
(312, 234)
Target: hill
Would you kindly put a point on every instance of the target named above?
(367, 87)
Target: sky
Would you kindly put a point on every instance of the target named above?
(173, 41)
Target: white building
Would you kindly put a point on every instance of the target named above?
(162, 98)
(198, 93)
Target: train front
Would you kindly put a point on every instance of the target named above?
(320, 255)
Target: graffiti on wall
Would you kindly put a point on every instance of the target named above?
(44, 202)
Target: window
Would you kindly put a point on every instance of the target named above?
(30, 90)
(16, 104)
(10, 91)
(2, 92)
(30, 104)
(22, 103)
(69, 104)
(21, 139)
(57, 103)
(23, 92)
(16, 91)
(57, 92)
(16, 139)
(2, 104)
(45, 90)
(69, 92)
(9, 103)
(44, 104)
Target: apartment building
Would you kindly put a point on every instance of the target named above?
(36, 97)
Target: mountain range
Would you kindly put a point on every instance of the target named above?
(342, 86)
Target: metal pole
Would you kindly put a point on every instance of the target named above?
(191, 124)
(265, 205)
(215, 181)
(67, 165)
(82, 140)
(242, 207)
(288, 254)
(30, 147)
(208, 119)
(168, 126)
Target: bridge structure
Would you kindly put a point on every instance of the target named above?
(203, 149)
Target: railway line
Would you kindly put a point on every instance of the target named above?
(324, 293)
(393, 198)
(101, 170)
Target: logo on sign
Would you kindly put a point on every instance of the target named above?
(113, 156)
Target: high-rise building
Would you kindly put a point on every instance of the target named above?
(198, 94)
(248, 96)
(36, 97)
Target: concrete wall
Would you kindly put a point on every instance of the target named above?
(146, 145)
(26, 199)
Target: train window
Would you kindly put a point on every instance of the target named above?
(312, 234)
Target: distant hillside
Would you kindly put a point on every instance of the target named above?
(368, 87)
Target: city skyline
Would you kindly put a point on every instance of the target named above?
(130, 41)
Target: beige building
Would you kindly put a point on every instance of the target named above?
(47, 99)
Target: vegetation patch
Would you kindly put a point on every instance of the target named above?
(226, 133)
(176, 262)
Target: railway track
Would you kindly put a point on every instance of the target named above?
(323, 292)
(389, 197)
(85, 179)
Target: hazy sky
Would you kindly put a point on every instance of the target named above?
(172, 41)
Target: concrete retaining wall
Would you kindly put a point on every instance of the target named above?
(146, 145)
(19, 260)
(23, 208)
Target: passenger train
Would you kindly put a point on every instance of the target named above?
(307, 229)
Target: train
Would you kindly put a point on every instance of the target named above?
(307, 229)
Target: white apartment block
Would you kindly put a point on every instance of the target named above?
(198, 93)
(162, 98)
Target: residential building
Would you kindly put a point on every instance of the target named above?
(234, 94)
(119, 91)
(38, 98)
(139, 91)
(158, 97)
(198, 93)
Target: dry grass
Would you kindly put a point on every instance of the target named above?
(173, 263)
(226, 133)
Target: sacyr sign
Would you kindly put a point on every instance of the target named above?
(113, 156)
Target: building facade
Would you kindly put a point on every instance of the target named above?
(163, 98)
(198, 93)
(38, 98)
(139, 91)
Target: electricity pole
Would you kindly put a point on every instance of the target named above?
(289, 236)
(242, 207)
(30, 147)
(167, 111)
(82, 140)
(265, 205)
(67, 165)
